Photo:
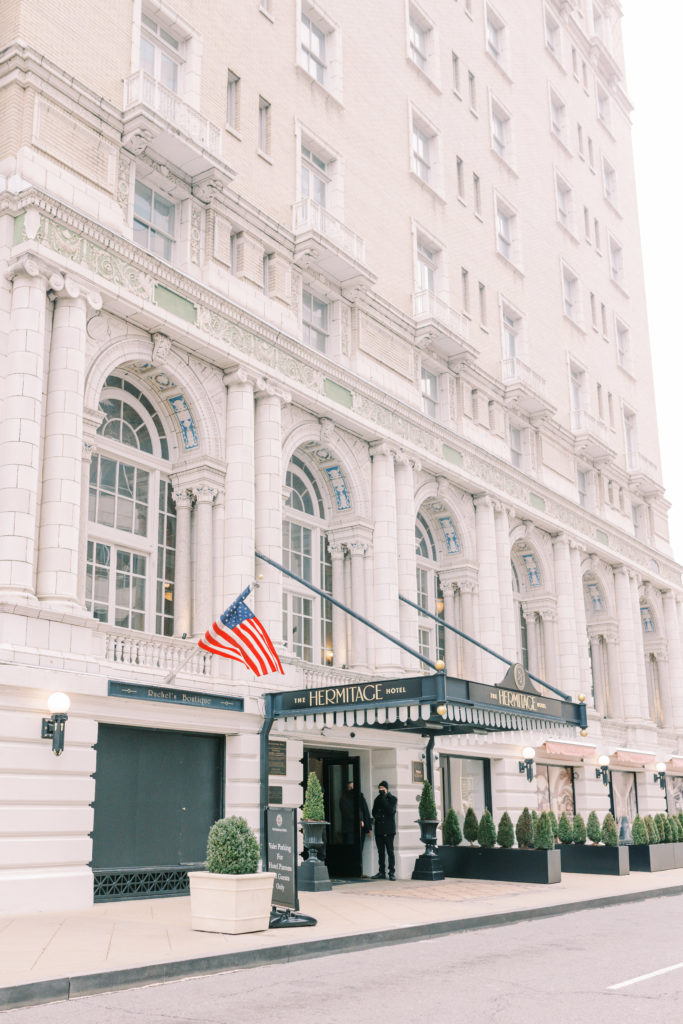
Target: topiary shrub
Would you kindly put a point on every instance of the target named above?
(543, 836)
(668, 835)
(427, 807)
(232, 848)
(314, 802)
(664, 832)
(676, 828)
(639, 832)
(593, 828)
(534, 823)
(506, 832)
(652, 830)
(609, 834)
(579, 830)
(470, 827)
(524, 830)
(452, 833)
(554, 826)
(564, 829)
(680, 820)
(486, 833)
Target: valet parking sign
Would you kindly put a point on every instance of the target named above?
(282, 855)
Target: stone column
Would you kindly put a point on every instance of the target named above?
(615, 698)
(550, 649)
(239, 484)
(452, 640)
(627, 645)
(641, 673)
(86, 459)
(385, 584)
(338, 614)
(533, 641)
(580, 616)
(182, 604)
(507, 609)
(20, 429)
(489, 587)
(359, 632)
(205, 613)
(406, 558)
(60, 506)
(601, 701)
(566, 617)
(268, 513)
(673, 638)
(471, 654)
(217, 586)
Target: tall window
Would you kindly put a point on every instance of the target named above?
(422, 151)
(506, 230)
(427, 266)
(418, 40)
(623, 346)
(516, 446)
(233, 102)
(577, 386)
(263, 125)
(315, 322)
(430, 393)
(511, 329)
(495, 36)
(630, 445)
(500, 131)
(313, 46)
(570, 294)
(130, 571)
(314, 176)
(160, 54)
(154, 218)
(522, 629)
(558, 116)
(431, 641)
(306, 618)
(564, 203)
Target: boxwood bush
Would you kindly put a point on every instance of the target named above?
(506, 832)
(579, 830)
(486, 833)
(639, 832)
(232, 848)
(470, 827)
(452, 833)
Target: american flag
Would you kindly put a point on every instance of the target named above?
(239, 635)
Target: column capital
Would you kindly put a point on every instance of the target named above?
(560, 539)
(264, 388)
(182, 497)
(483, 500)
(403, 458)
(336, 550)
(357, 547)
(204, 494)
(242, 375)
(382, 448)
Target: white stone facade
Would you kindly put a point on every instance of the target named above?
(352, 268)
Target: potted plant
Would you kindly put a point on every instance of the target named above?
(593, 828)
(452, 838)
(554, 826)
(428, 867)
(564, 830)
(524, 830)
(651, 854)
(602, 856)
(505, 863)
(470, 829)
(579, 835)
(313, 875)
(486, 834)
(232, 895)
(506, 832)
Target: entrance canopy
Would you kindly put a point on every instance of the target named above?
(429, 704)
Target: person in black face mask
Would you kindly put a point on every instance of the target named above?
(384, 814)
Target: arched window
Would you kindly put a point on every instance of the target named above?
(306, 618)
(431, 639)
(130, 570)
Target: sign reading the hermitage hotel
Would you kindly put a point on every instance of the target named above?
(357, 693)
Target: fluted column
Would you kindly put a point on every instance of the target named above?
(615, 697)
(627, 645)
(239, 484)
(489, 587)
(550, 649)
(338, 614)
(203, 588)
(673, 638)
(580, 617)
(600, 691)
(20, 429)
(385, 609)
(217, 585)
(641, 671)
(359, 632)
(533, 642)
(182, 603)
(60, 505)
(268, 514)
(405, 549)
(507, 608)
(471, 654)
(566, 616)
(451, 640)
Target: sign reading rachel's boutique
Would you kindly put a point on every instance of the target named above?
(357, 694)
(166, 695)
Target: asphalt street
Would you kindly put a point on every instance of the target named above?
(616, 965)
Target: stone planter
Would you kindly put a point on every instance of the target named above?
(313, 875)
(541, 866)
(595, 860)
(661, 857)
(230, 903)
(428, 867)
(678, 854)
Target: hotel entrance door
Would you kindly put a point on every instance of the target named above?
(339, 776)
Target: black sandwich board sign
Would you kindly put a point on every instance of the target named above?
(282, 856)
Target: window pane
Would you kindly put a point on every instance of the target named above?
(143, 201)
(164, 214)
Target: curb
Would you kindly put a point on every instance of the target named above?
(59, 989)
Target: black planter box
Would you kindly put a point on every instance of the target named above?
(543, 866)
(661, 857)
(595, 860)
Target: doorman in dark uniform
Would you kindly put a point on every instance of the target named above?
(384, 814)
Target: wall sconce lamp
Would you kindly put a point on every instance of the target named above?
(527, 765)
(53, 727)
(601, 772)
(660, 777)
(441, 710)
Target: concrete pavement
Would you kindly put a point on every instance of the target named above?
(62, 955)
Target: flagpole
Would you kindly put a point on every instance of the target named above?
(194, 649)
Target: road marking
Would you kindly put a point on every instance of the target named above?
(644, 977)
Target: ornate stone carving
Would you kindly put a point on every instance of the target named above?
(138, 140)
(195, 234)
(161, 348)
(123, 183)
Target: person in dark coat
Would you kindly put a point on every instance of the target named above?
(384, 814)
(365, 822)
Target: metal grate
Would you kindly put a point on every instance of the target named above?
(140, 884)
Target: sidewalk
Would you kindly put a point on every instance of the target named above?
(54, 956)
